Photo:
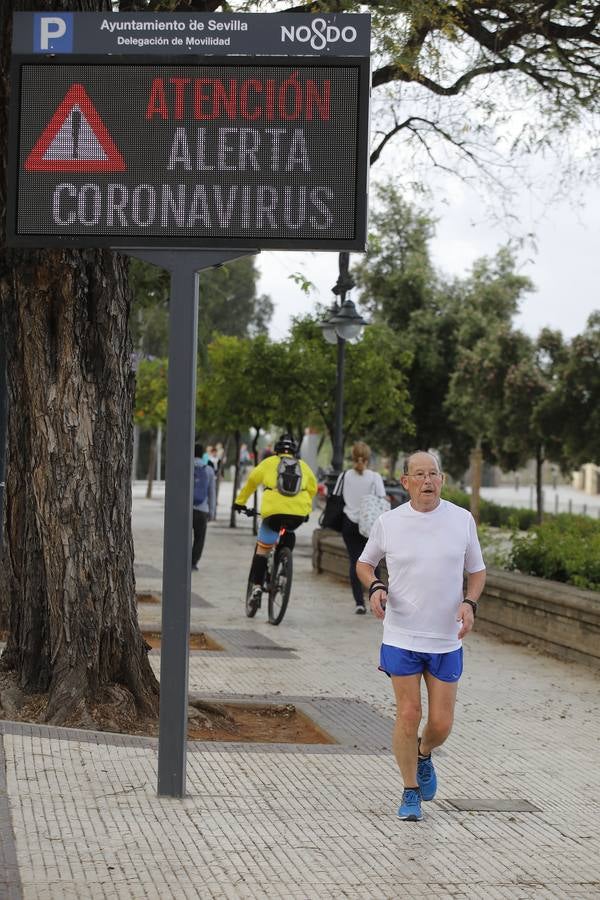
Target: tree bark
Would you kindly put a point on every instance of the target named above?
(539, 493)
(236, 477)
(68, 556)
(73, 617)
(476, 464)
(151, 465)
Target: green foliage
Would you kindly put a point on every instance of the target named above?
(397, 276)
(571, 412)
(300, 279)
(228, 304)
(151, 394)
(401, 289)
(458, 332)
(376, 401)
(150, 308)
(563, 548)
(235, 389)
(492, 514)
(487, 345)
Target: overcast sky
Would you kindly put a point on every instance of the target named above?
(565, 267)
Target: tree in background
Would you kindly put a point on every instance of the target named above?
(438, 323)
(256, 383)
(571, 410)
(237, 390)
(451, 77)
(472, 90)
(376, 400)
(486, 348)
(529, 422)
(400, 287)
(150, 411)
(150, 287)
(228, 304)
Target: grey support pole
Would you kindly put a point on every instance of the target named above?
(177, 566)
(184, 266)
(338, 441)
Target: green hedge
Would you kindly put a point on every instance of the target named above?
(492, 513)
(563, 548)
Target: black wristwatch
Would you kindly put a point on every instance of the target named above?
(472, 604)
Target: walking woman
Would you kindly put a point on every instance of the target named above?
(358, 482)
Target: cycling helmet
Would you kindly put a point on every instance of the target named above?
(286, 444)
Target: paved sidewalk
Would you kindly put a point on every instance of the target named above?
(79, 816)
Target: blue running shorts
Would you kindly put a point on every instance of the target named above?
(267, 535)
(444, 666)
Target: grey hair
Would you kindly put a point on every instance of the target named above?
(415, 453)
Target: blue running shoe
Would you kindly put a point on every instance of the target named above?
(426, 777)
(410, 808)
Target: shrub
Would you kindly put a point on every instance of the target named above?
(563, 548)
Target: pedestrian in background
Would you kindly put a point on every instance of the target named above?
(428, 544)
(357, 483)
(205, 502)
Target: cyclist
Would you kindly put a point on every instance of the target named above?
(289, 486)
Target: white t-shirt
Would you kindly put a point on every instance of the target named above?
(356, 487)
(426, 555)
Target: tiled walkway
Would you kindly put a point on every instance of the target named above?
(79, 815)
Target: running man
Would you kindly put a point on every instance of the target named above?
(428, 544)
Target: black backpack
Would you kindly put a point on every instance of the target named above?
(289, 476)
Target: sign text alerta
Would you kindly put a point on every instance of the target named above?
(257, 139)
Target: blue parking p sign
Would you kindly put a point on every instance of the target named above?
(53, 33)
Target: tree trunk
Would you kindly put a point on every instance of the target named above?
(476, 464)
(73, 618)
(136, 452)
(539, 462)
(151, 464)
(236, 477)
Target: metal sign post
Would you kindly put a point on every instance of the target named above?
(184, 267)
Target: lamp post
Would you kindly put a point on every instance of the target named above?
(342, 324)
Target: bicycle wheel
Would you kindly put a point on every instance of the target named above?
(251, 603)
(281, 585)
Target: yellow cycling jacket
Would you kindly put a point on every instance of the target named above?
(273, 503)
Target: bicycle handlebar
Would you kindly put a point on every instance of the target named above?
(251, 513)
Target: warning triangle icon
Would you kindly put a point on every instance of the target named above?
(75, 140)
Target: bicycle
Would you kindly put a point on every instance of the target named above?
(277, 583)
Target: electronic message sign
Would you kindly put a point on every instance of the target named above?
(227, 148)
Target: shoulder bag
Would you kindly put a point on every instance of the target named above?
(332, 515)
(371, 507)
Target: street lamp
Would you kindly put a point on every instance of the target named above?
(342, 324)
